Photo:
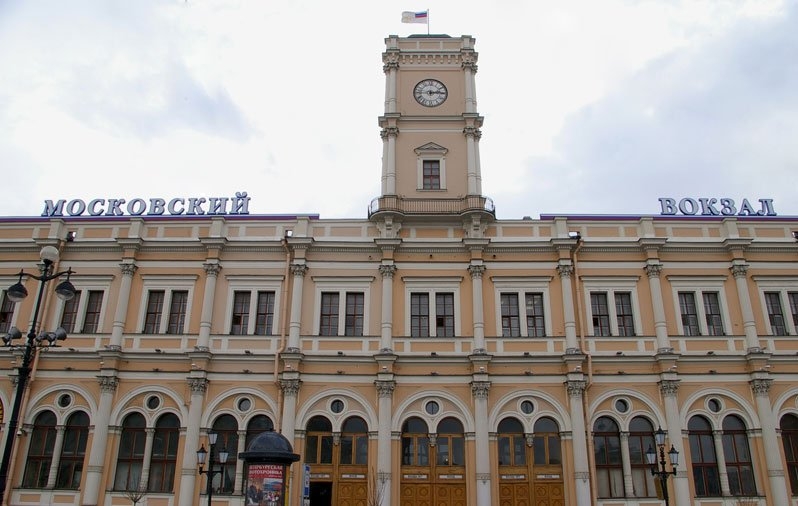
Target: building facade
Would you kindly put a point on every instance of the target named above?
(425, 355)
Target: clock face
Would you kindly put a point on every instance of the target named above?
(430, 93)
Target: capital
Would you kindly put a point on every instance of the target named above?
(290, 387)
(387, 271)
(476, 271)
(761, 386)
(128, 269)
(739, 270)
(480, 389)
(108, 383)
(653, 270)
(212, 269)
(385, 388)
(565, 270)
(197, 385)
(669, 388)
(575, 388)
(299, 270)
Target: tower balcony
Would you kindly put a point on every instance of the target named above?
(431, 206)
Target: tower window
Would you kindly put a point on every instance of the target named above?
(432, 175)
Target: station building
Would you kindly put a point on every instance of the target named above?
(426, 354)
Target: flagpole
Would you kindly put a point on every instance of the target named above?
(427, 21)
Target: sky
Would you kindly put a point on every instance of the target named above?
(590, 107)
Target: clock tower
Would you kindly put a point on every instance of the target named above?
(430, 133)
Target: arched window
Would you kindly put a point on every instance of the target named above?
(164, 454)
(789, 437)
(226, 429)
(450, 443)
(40, 451)
(641, 438)
(704, 461)
(738, 457)
(354, 441)
(131, 453)
(415, 442)
(73, 451)
(256, 426)
(318, 441)
(609, 466)
(546, 443)
(512, 443)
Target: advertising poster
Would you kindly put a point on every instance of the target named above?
(265, 485)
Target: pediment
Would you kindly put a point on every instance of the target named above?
(431, 148)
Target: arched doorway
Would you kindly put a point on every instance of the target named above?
(530, 466)
(338, 462)
(433, 465)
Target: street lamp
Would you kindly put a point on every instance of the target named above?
(16, 293)
(660, 471)
(202, 453)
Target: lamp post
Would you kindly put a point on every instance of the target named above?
(17, 292)
(659, 470)
(202, 453)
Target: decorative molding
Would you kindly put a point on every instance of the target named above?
(653, 270)
(480, 389)
(387, 271)
(575, 388)
(761, 386)
(290, 387)
(197, 385)
(128, 269)
(299, 270)
(483, 477)
(565, 270)
(476, 271)
(108, 383)
(385, 388)
(739, 270)
(669, 388)
(212, 269)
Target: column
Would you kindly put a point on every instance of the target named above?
(576, 388)
(211, 275)
(188, 471)
(57, 447)
(145, 468)
(474, 184)
(386, 329)
(479, 389)
(779, 495)
(739, 271)
(669, 389)
(565, 269)
(242, 447)
(389, 135)
(469, 66)
(128, 269)
(299, 271)
(290, 389)
(390, 68)
(627, 466)
(476, 272)
(385, 390)
(94, 469)
(653, 270)
(717, 438)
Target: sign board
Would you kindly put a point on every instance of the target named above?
(306, 480)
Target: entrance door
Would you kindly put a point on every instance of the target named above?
(433, 466)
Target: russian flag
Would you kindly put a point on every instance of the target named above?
(415, 17)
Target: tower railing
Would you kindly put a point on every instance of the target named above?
(427, 206)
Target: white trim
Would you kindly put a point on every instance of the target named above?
(610, 285)
(431, 286)
(438, 155)
(341, 285)
(84, 285)
(522, 286)
(783, 286)
(253, 285)
(698, 285)
(15, 311)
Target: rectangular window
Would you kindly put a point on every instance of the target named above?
(432, 175)
(623, 314)
(6, 313)
(601, 314)
(444, 315)
(793, 298)
(240, 321)
(535, 322)
(177, 312)
(354, 314)
(264, 321)
(775, 315)
(419, 315)
(511, 321)
(689, 314)
(712, 314)
(70, 314)
(94, 304)
(152, 320)
(328, 326)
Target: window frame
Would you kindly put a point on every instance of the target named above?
(12, 314)
(342, 285)
(433, 286)
(611, 285)
(522, 286)
(784, 285)
(698, 286)
(84, 285)
(253, 285)
(430, 152)
(168, 285)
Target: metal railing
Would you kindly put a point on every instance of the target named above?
(426, 206)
